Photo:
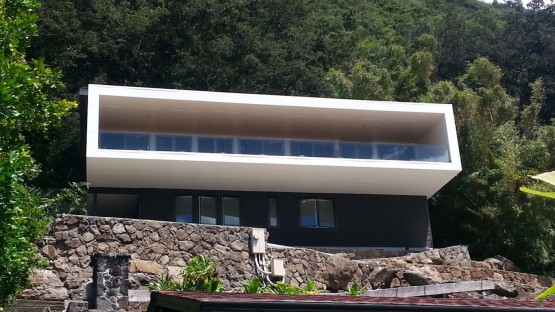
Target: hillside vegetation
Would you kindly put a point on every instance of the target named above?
(494, 63)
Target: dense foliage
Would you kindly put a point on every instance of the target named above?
(493, 62)
(257, 286)
(27, 106)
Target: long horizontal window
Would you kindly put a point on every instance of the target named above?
(127, 141)
(262, 147)
(312, 149)
(274, 147)
(173, 143)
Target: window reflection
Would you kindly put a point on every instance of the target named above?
(316, 212)
(184, 209)
(396, 151)
(275, 147)
(215, 145)
(231, 211)
(207, 210)
(173, 143)
(124, 141)
(312, 149)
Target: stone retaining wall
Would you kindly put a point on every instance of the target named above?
(155, 247)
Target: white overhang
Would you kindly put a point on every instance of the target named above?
(112, 108)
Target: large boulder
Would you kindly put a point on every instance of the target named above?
(382, 277)
(339, 272)
(508, 265)
(45, 285)
(417, 276)
(506, 290)
(141, 266)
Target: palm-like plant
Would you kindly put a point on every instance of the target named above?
(355, 290)
(198, 275)
(548, 177)
(254, 286)
(163, 282)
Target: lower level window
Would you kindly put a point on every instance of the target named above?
(207, 210)
(231, 211)
(317, 212)
(273, 219)
(184, 209)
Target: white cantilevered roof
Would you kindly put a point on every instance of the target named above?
(195, 112)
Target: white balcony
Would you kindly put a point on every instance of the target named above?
(272, 118)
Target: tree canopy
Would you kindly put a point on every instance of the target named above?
(27, 106)
(494, 63)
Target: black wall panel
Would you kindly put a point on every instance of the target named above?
(361, 220)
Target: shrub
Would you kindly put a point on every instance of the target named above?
(198, 275)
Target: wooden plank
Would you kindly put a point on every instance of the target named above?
(429, 290)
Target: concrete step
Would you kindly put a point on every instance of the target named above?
(431, 290)
(26, 305)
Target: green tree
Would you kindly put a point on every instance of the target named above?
(27, 106)
(483, 206)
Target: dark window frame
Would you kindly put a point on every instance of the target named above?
(317, 211)
(277, 213)
(223, 210)
(192, 208)
(196, 202)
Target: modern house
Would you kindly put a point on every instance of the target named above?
(313, 171)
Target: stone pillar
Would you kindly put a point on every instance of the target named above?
(110, 282)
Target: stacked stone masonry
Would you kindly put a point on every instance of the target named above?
(155, 247)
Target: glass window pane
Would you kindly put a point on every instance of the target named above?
(347, 150)
(251, 146)
(231, 211)
(323, 149)
(183, 144)
(436, 153)
(116, 205)
(206, 145)
(184, 209)
(137, 142)
(224, 146)
(306, 149)
(396, 151)
(296, 148)
(364, 151)
(112, 141)
(308, 213)
(386, 151)
(164, 143)
(207, 209)
(406, 152)
(326, 217)
(272, 212)
(273, 147)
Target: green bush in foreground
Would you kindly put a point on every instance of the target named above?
(198, 275)
(255, 286)
(548, 177)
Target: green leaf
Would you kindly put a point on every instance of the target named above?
(549, 292)
(539, 193)
(548, 177)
